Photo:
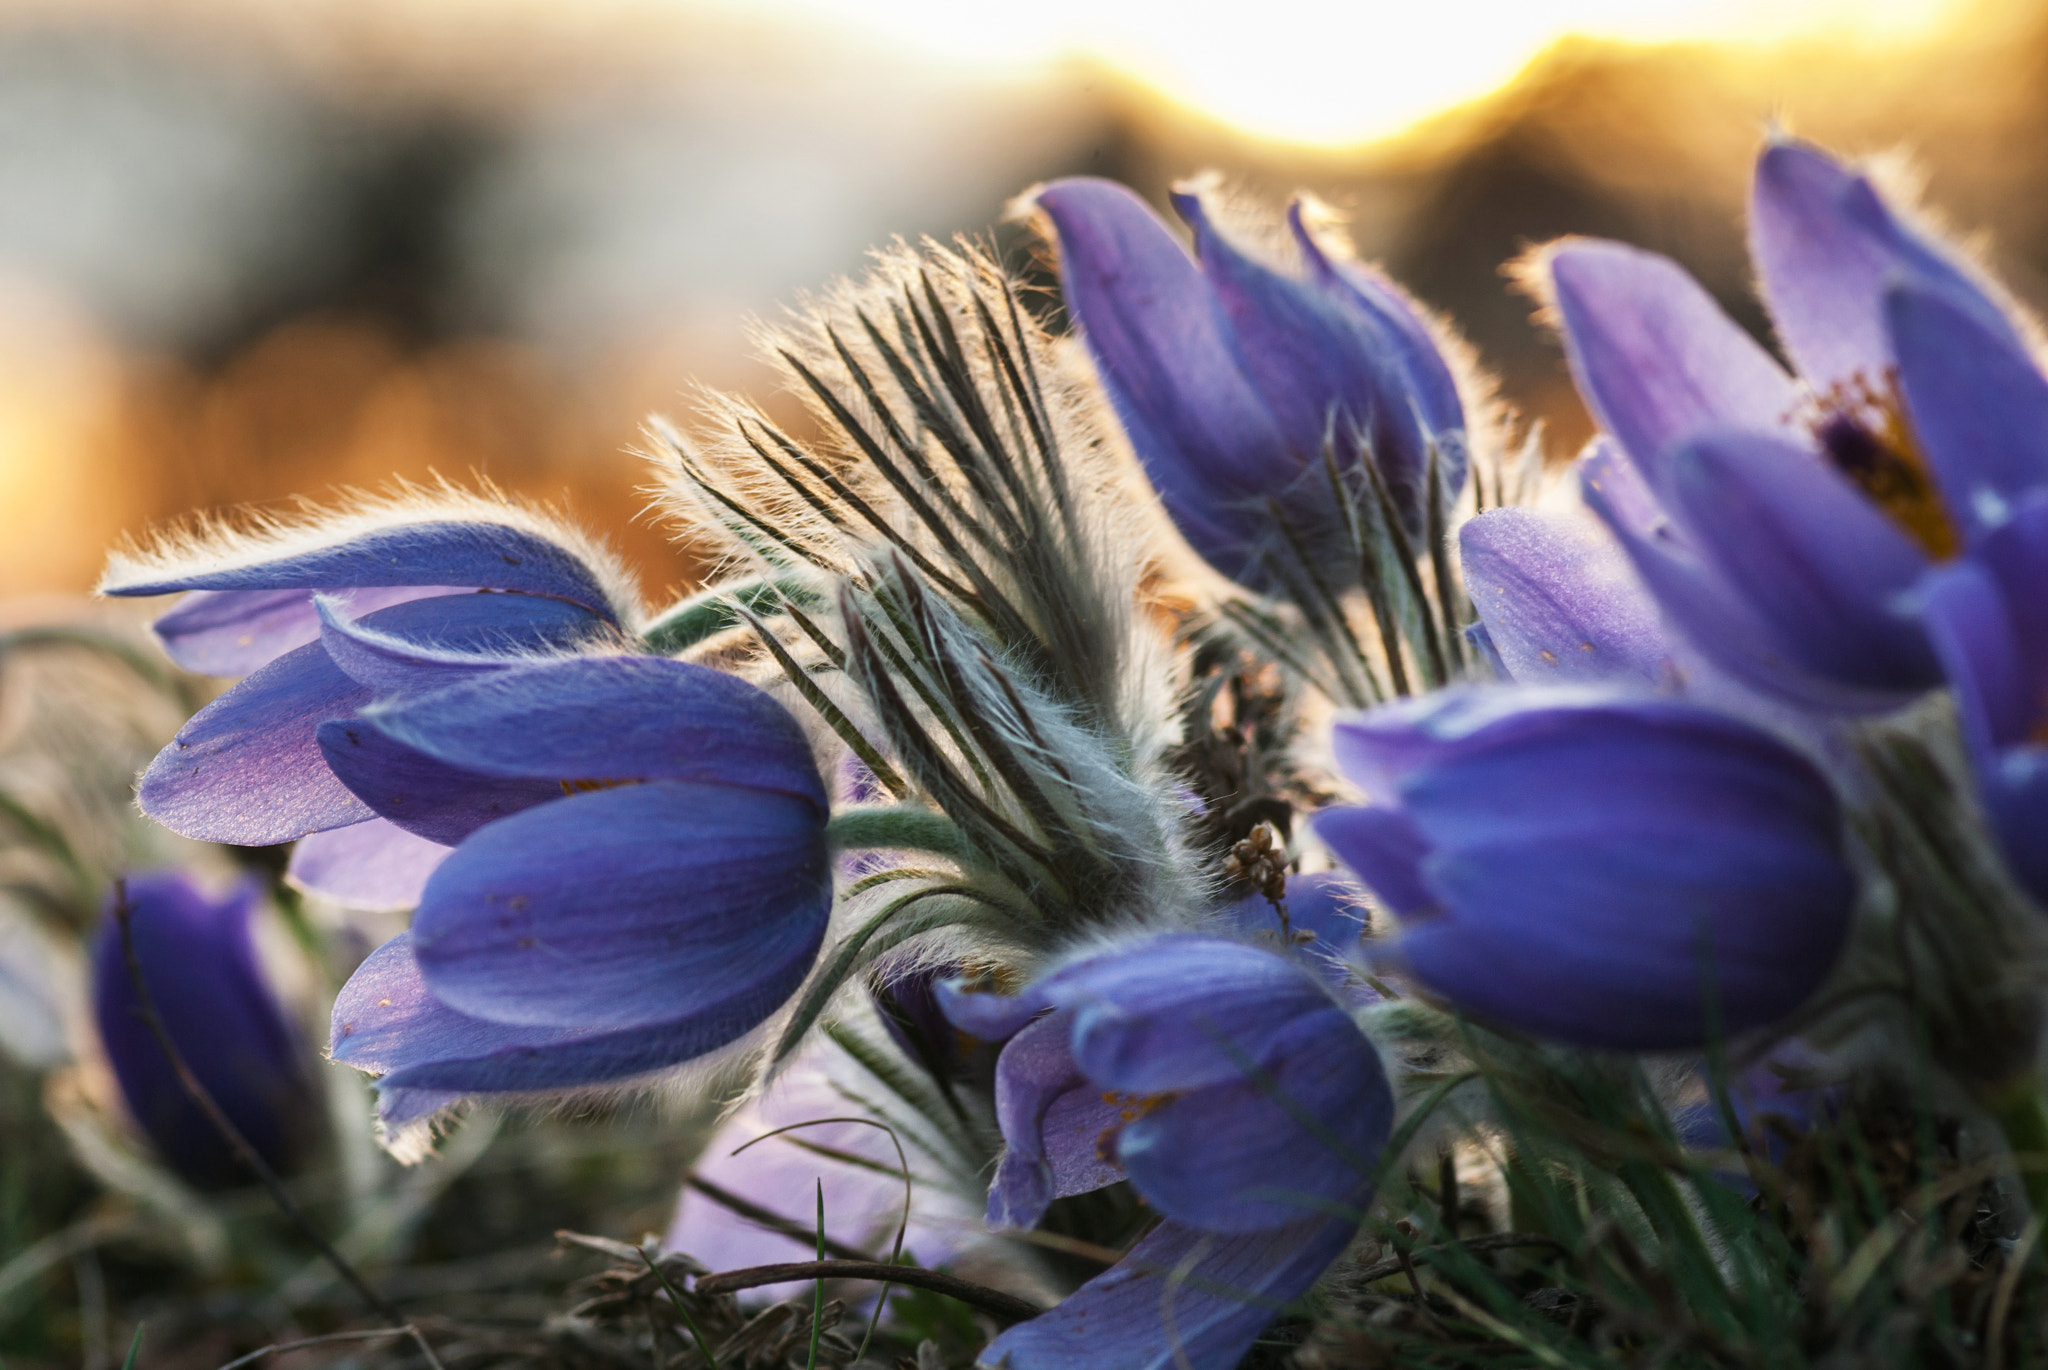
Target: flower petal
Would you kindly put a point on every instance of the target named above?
(466, 636)
(1814, 561)
(232, 632)
(1978, 404)
(247, 770)
(1386, 851)
(630, 908)
(1300, 1137)
(611, 718)
(1718, 621)
(987, 1015)
(1179, 1298)
(1317, 360)
(387, 1021)
(1826, 247)
(1179, 1011)
(371, 865)
(1431, 386)
(492, 556)
(1050, 1118)
(1972, 633)
(1654, 356)
(1161, 347)
(428, 798)
(1560, 600)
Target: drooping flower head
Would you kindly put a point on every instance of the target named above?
(199, 963)
(1232, 1090)
(1779, 518)
(1231, 377)
(660, 885)
(1602, 871)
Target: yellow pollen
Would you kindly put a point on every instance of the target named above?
(1129, 1108)
(1862, 428)
(587, 786)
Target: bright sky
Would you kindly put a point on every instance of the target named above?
(1333, 71)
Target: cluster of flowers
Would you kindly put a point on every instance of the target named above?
(1605, 780)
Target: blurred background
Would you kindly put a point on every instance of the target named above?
(258, 249)
(251, 249)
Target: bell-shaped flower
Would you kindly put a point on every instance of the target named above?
(199, 963)
(1987, 616)
(1230, 376)
(1780, 520)
(471, 579)
(642, 876)
(1603, 871)
(1237, 1096)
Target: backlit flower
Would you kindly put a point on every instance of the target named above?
(1603, 871)
(1230, 376)
(1779, 520)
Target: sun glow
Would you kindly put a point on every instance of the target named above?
(1336, 72)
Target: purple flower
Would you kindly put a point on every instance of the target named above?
(1592, 869)
(434, 597)
(1780, 521)
(200, 966)
(1989, 623)
(1232, 1090)
(668, 894)
(1230, 376)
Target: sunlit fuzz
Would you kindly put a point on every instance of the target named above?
(1779, 519)
(473, 586)
(198, 961)
(1989, 623)
(1233, 1091)
(255, 577)
(1232, 377)
(667, 895)
(1602, 870)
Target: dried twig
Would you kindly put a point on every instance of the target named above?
(1005, 1308)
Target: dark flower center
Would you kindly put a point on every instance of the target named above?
(1863, 430)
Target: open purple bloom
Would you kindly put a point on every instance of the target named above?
(669, 894)
(1607, 872)
(1780, 520)
(200, 966)
(431, 598)
(1232, 1090)
(1230, 376)
(1989, 622)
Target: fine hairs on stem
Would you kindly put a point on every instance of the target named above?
(145, 1008)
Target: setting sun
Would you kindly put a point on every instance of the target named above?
(1311, 71)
